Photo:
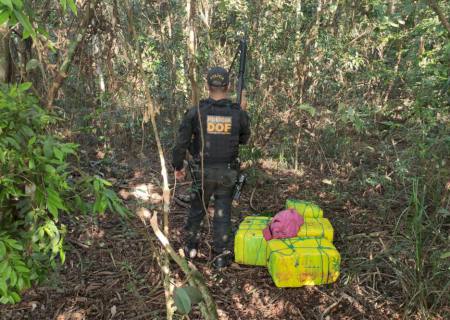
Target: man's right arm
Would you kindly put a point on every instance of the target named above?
(244, 134)
(183, 140)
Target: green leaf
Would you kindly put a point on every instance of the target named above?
(25, 22)
(18, 4)
(54, 203)
(308, 108)
(31, 164)
(105, 182)
(26, 34)
(12, 142)
(4, 16)
(7, 273)
(63, 4)
(62, 254)
(53, 210)
(3, 265)
(445, 255)
(3, 287)
(58, 154)
(25, 86)
(48, 148)
(21, 269)
(20, 284)
(50, 169)
(72, 6)
(32, 140)
(14, 244)
(32, 64)
(182, 300)
(13, 278)
(55, 198)
(7, 3)
(194, 294)
(15, 297)
(2, 250)
(27, 131)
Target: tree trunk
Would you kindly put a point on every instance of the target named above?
(73, 46)
(435, 6)
(391, 7)
(98, 63)
(191, 45)
(397, 65)
(5, 56)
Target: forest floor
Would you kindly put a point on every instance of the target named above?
(111, 273)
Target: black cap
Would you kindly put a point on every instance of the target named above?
(217, 77)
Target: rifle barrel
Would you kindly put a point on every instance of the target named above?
(243, 58)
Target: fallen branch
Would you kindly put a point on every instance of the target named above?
(354, 302)
(195, 278)
(331, 307)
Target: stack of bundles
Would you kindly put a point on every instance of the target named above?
(310, 258)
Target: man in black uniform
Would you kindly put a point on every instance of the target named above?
(212, 133)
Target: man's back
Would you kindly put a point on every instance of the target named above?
(212, 133)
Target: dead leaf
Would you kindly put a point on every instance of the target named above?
(113, 311)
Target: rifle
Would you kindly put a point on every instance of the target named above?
(242, 51)
(240, 182)
(242, 60)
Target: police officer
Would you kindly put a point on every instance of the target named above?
(212, 133)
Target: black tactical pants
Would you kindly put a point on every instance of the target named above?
(218, 181)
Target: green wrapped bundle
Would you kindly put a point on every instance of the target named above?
(305, 208)
(297, 262)
(249, 243)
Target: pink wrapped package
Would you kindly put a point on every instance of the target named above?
(285, 224)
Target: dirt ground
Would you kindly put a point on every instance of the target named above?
(111, 272)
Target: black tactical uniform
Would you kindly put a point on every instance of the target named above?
(224, 125)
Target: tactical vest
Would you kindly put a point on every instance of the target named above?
(221, 126)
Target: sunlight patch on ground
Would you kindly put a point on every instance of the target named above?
(274, 165)
(146, 192)
(72, 315)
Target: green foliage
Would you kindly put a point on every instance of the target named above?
(37, 184)
(71, 3)
(423, 264)
(14, 11)
(186, 297)
(307, 108)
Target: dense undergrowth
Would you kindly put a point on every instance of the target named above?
(39, 181)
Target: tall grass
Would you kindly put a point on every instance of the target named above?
(423, 262)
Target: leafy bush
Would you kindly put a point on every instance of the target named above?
(37, 184)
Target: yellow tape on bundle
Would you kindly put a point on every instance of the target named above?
(297, 262)
(305, 208)
(249, 243)
(316, 228)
